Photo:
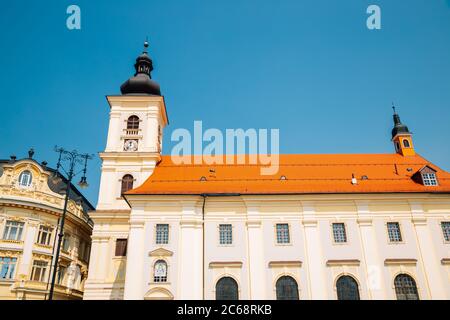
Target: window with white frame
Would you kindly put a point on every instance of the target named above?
(39, 271)
(445, 225)
(429, 179)
(25, 178)
(44, 236)
(160, 272)
(13, 230)
(339, 233)
(7, 267)
(226, 233)
(162, 234)
(394, 232)
(283, 233)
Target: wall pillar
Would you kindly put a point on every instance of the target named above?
(28, 244)
(430, 260)
(314, 256)
(112, 143)
(190, 280)
(374, 267)
(255, 243)
(134, 282)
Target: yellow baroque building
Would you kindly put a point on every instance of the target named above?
(342, 226)
(31, 203)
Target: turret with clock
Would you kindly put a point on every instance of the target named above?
(133, 148)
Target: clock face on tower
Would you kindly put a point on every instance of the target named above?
(130, 145)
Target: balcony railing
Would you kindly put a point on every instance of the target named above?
(132, 132)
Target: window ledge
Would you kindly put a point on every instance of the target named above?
(158, 283)
(11, 241)
(44, 246)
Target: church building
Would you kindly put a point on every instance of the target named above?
(327, 226)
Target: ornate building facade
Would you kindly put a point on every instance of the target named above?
(343, 226)
(31, 203)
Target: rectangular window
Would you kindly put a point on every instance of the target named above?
(162, 234)
(429, 179)
(7, 267)
(66, 243)
(394, 232)
(39, 272)
(339, 233)
(13, 230)
(226, 233)
(121, 247)
(446, 230)
(61, 274)
(87, 252)
(44, 236)
(283, 233)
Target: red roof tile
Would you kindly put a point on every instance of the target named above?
(319, 173)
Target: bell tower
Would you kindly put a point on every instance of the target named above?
(137, 119)
(401, 137)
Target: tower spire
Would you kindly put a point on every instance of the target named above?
(401, 136)
(141, 82)
(399, 127)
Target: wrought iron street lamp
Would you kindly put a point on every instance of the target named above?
(72, 158)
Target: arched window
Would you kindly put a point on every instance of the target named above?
(406, 143)
(127, 183)
(133, 122)
(347, 288)
(405, 287)
(160, 271)
(227, 289)
(287, 288)
(25, 178)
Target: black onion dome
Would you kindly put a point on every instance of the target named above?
(399, 127)
(141, 82)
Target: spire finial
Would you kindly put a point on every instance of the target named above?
(146, 44)
(393, 108)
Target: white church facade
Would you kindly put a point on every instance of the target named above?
(342, 226)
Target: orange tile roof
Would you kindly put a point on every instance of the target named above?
(318, 173)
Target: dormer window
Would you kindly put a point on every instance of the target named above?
(426, 176)
(25, 179)
(429, 179)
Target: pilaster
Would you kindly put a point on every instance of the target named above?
(134, 280)
(373, 263)
(28, 244)
(255, 244)
(313, 246)
(428, 256)
(191, 264)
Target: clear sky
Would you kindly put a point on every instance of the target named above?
(310, 68)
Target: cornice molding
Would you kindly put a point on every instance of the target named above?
(160, 252)
(280, 264)
(343, 262)
(225, 264)
(390, 262)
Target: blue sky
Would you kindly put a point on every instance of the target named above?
(310, 68)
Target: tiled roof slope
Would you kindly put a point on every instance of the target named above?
(318, 173)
